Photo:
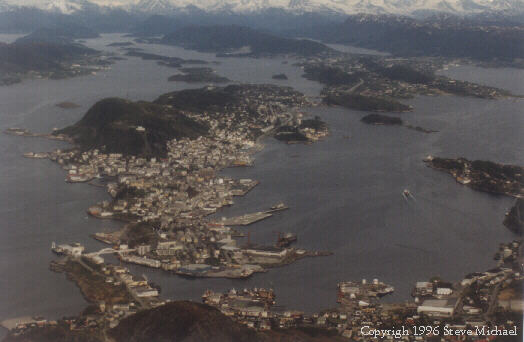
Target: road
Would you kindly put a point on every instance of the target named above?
(352, 89)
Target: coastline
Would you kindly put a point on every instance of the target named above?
(102, 212)
(264, 183)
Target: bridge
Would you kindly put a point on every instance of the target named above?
(110, 251)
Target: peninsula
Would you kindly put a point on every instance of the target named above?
(159, 161)
(379, 83)
(483, 175)
(50, 53)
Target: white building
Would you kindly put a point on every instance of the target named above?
(438, 307)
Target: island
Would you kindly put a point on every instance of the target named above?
(486, 176)
(121, 44)
(367, 103)
(377, 119)
(482, 175)
(172, 62)
(67, 105)
(279, 77)
(198, 75)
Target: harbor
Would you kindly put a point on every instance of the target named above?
(275, 169)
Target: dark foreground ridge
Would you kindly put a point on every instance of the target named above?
(180, 321)
(116, 125)
(185, 321)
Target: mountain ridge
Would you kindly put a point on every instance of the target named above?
(399, 7)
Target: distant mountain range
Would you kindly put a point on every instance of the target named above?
(403, 7)
(447, 36)
(226, 40)
(265, 26)
(58, 34)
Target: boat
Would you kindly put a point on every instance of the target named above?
(286, 240)
(406, 194)
(58, 250)
(278, 206)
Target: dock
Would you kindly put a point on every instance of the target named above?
(278, 207)
(247, 219)
(12, 323)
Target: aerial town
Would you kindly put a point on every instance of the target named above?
(482, 307)
(167, 202)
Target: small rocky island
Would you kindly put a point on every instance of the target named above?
(377, 119)
(172, 62)
(279, 77)
(198, 75)
(67, 105)
(120, 44)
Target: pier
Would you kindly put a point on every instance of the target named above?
(247, 219)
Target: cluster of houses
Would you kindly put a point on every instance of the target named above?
(254, 308)
(482, 305)
(478, 303)
(173, 195)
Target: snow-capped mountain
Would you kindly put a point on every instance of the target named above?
(61, 6)
(340, 6)
(405, 7)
